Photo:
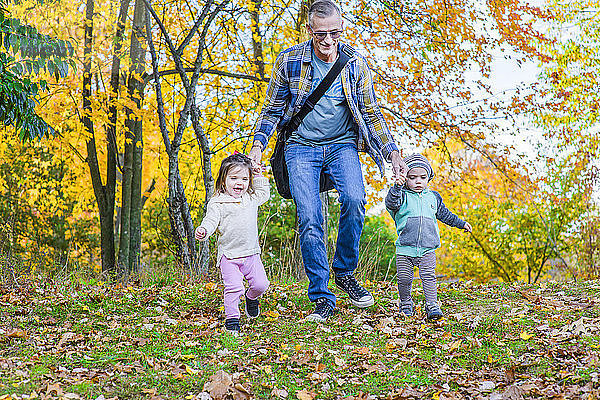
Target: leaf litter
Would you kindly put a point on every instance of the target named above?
(70, 341)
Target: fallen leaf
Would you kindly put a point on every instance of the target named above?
(281, 393)
(218, 384)
(54, 388)
(362, 350)
(305, 395)
(512, 392)
(487, 386)
(65, 338)
(525, 336)
(16, 333)
(455, 345)
(340, 362)
(450, 396)
(191, 370)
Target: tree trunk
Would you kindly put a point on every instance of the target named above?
(125, 234)
(303, 20)
(130, 240)
(112, 152)
(257, 39)
(203, 265)
(181, 221)
(135, 243)
(103, 196)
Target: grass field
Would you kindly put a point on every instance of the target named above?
(75, 339)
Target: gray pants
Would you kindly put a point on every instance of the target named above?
(405, 275)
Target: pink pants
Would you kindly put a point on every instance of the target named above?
(233, 272)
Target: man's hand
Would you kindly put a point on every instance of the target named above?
(200, 233)
(399, 168)
(255, 154)
(468, 227)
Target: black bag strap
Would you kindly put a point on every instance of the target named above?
(345, 53)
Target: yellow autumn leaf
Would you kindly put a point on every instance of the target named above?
(455, 345)
(191, 370)
(210, 286)
(525, 336)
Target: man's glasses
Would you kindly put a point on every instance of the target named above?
(322, 35)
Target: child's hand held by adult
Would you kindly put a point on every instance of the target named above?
(200, 233)
(399, 168)
(255, 153)
(258, 169)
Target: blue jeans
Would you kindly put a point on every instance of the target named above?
(341, 163)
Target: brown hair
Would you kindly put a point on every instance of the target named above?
(234, 160)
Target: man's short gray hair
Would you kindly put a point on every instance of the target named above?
(323, 9)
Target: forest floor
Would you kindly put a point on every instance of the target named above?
(77, 339)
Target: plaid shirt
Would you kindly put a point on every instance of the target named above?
(291, 83)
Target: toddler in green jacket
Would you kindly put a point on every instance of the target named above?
(416, 209)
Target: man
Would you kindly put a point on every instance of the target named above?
(344, 121)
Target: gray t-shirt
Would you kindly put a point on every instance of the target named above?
(331, 119)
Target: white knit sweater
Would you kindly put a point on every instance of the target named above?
(236, 220)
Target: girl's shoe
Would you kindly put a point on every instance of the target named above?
(433, 311)
(407, 308)
(232, 325)
(252, 307)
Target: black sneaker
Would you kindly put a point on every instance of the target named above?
(359, 296)
(407, 308)
(252, 307)
(323, 310)
(232, 325)
(433, 311)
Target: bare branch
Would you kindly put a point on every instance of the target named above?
(194, 29)
(162, 123)
(148, 77)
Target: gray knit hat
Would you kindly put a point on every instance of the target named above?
(417, 160)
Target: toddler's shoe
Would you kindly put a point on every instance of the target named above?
(252, 307)
(407, 308)
(232, 325)
(433, 312)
